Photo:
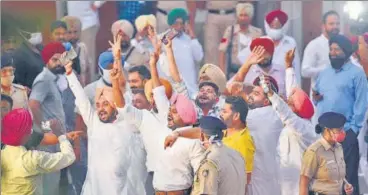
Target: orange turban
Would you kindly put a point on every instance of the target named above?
(105, 92)
(267, 44)
(302, 104)
(148, 88)
(277, 14)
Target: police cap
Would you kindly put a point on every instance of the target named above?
(6, 60)
(212, 126)
(331, 120)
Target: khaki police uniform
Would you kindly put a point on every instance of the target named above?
(221, 14)
(136, 57)
(19, 95)
(324, 165)
(238, 45)
(221, 172)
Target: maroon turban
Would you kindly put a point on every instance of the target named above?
(280, 15)
(267, 44)
(15, 126)
(273, 82)
(51, 49)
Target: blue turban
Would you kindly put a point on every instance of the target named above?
(175, 14)
(105, 59)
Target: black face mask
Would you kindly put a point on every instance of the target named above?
(58, 70)
(265, 64)
(337, 62)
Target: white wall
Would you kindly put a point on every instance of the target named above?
(295, 13)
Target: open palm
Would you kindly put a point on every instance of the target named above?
(256, 56)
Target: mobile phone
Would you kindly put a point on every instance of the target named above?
(169, 34)
(69, 56)
(46, 126)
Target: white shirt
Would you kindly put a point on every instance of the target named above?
(115, 151)
(315, 58)
(83, 11)
(276, 71)
(265, 179)
(187, 52)
(296, 136)
(173, 168)
(286, 44)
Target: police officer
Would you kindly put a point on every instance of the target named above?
(323, 165)
(17, 92)
(222, 171)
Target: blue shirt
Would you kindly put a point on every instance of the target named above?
(344, 91)
(130, 10)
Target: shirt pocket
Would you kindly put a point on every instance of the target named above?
(332, 169)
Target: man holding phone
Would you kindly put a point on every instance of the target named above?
(187, 50)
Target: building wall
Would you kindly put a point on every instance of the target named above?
(29, 16)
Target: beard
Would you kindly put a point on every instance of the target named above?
(109, 119)
(333, 32)
(58, 70)
(125, 45)
(266, 64)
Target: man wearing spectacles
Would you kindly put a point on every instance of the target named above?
(17, 92)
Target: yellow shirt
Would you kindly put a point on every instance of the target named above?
(242, 142)
(22, 169)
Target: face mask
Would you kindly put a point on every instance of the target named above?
(36, 38)
(58, 70)
(106, 75)
(7, 81)
(266, 64)
(340, 137)
(275, 34)
(337, 62)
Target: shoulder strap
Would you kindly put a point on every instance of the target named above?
(129, 53)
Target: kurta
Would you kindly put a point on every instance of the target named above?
(296, 136)
(173, 168)
(265, 179)
(187, 52)
(115, 153)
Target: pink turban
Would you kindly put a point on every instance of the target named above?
(51, 49)
(107, 93)
(302, 104)
(185, 108)
(16, 126)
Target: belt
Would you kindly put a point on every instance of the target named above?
(221, 11)
(178, 192)
(315, 193)
(164, 12)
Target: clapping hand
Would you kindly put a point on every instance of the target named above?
(289, 58)
(256, 56)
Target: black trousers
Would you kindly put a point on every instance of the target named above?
(351, 156)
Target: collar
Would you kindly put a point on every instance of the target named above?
(49, 74)
(12, 90)
(327, 145)
(274, 68)
(345, 67)
(324, 38)
(241, 132)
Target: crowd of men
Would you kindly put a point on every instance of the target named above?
(151, 123)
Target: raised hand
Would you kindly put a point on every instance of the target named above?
(236, 89)
(256, 56)
(115, 74)
(289, 57)
(189, 30)
(69, 67)
(116, 46)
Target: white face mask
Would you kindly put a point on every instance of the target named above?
(275, 34)
(7, 81)
(106, 75)
(36, 38)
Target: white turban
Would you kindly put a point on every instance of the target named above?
(124, 26)
(245, 8)
(144, 20)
